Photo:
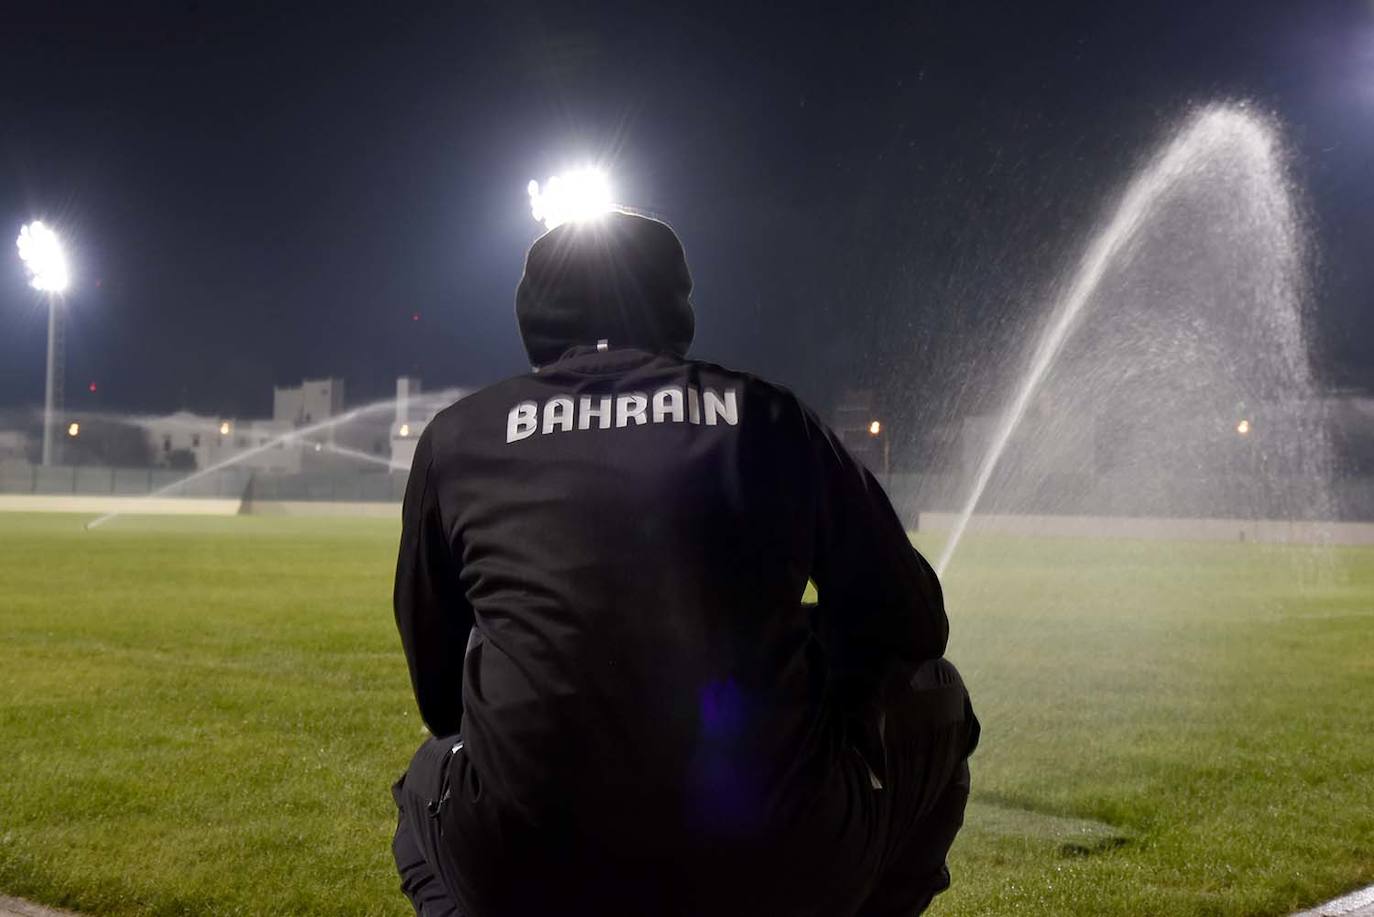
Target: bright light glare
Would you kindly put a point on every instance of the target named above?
(581, 195)
(73, 429)
(405, 429)
(1243, 428)
(41, 253)
(875, 428)
(224, 428)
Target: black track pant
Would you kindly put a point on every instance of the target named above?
(923, 730)
(418, 845)
(927, 732)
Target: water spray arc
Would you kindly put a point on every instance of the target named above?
(336, 449)
(1213, 131)
(363, 411)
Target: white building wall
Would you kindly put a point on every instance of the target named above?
(287, 404)
(181, 432)
(321, 399)
(215, 439)
(310, 402)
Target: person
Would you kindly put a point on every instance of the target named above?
(599, 593)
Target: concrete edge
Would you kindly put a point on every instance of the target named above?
(101, 505)
(375, 509)
(192, 506)
(18, 907)
(1359, 903)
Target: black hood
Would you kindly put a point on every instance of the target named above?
(621, 278)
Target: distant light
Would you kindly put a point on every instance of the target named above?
(1243, 428)
(415, 316)
(224, 428)
(581, 195)
(91, 388)
(405, 429)
(875, 428)
(73, 429)
(319, 448)
(41, 252)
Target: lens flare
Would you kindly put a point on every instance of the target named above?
(574, 196)
(41, 252)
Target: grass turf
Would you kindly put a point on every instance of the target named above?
(204, 715)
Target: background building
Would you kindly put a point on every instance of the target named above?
(309, 403)
(864, 431)
(408, 423)
(191, 441)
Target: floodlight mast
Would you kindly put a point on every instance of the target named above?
(41, 252)
(50, 390)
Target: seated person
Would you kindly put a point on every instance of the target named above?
(599, 586)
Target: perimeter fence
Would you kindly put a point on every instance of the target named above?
(239, 483)
(1349, 499)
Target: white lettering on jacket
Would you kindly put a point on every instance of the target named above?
(670, 404)
(521, 422)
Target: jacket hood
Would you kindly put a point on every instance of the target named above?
(622, 279)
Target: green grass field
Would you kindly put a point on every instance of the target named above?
(204, 716)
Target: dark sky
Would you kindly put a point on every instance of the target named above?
(261, 192)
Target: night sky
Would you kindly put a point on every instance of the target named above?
(260, 192)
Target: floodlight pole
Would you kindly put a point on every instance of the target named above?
(50, 394)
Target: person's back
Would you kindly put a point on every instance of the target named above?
(621, 541)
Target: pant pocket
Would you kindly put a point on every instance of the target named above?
(427, 777)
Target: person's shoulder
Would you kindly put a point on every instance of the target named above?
(779, 400)
(478, 402)
(754, 383)
(476, 409)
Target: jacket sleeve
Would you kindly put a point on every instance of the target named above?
(880, 599)
(432, 613)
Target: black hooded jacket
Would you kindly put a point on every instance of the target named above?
(602, 564)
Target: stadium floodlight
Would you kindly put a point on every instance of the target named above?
(41, 252)
(875, 428)
(584, 194)
(73, 429)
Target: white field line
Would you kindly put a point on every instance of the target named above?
(1356, 904)
(18, 907)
